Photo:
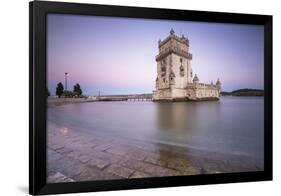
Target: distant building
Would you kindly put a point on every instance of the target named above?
(175, 80)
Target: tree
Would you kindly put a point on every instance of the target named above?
(47, 92)
(77, 89)
(59, 89)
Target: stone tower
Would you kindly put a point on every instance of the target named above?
(174, 81)
(173, 62)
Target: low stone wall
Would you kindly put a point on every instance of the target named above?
(191, 93)
(181, 99)
(207, 92)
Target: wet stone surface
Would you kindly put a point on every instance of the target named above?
(82, 155)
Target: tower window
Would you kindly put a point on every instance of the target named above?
(172, 75)
(181, 71)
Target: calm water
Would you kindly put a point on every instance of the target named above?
(233, 125)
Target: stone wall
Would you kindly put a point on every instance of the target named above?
(191, 92)
(203, 91)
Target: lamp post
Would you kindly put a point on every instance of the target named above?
(65, 80)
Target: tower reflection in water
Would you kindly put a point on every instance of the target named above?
(188, 124)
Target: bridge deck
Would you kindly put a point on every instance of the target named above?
(124, 98)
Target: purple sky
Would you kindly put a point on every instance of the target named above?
(117, 55)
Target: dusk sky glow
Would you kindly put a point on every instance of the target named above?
(117, 55)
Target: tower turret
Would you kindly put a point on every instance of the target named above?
(196, 79)
(172, 32)
(218, 83)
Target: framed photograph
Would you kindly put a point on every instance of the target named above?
(131, 97)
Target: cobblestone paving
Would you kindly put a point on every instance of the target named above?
(80, 155)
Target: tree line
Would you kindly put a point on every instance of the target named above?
(76, 92)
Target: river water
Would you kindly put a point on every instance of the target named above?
(233, 125)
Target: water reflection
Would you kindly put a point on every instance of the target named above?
(182, 120)
(231, 125)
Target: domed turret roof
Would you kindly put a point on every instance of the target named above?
(172, 32)
(195, 78)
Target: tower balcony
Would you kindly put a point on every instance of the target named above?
(179, 52)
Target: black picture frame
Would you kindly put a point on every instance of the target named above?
(37, 100)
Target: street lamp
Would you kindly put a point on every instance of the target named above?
(65, 80)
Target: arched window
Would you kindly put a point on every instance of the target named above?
(181, 71)
(172, 76)
(163, 67)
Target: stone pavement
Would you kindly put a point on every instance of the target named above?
(76, 154)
